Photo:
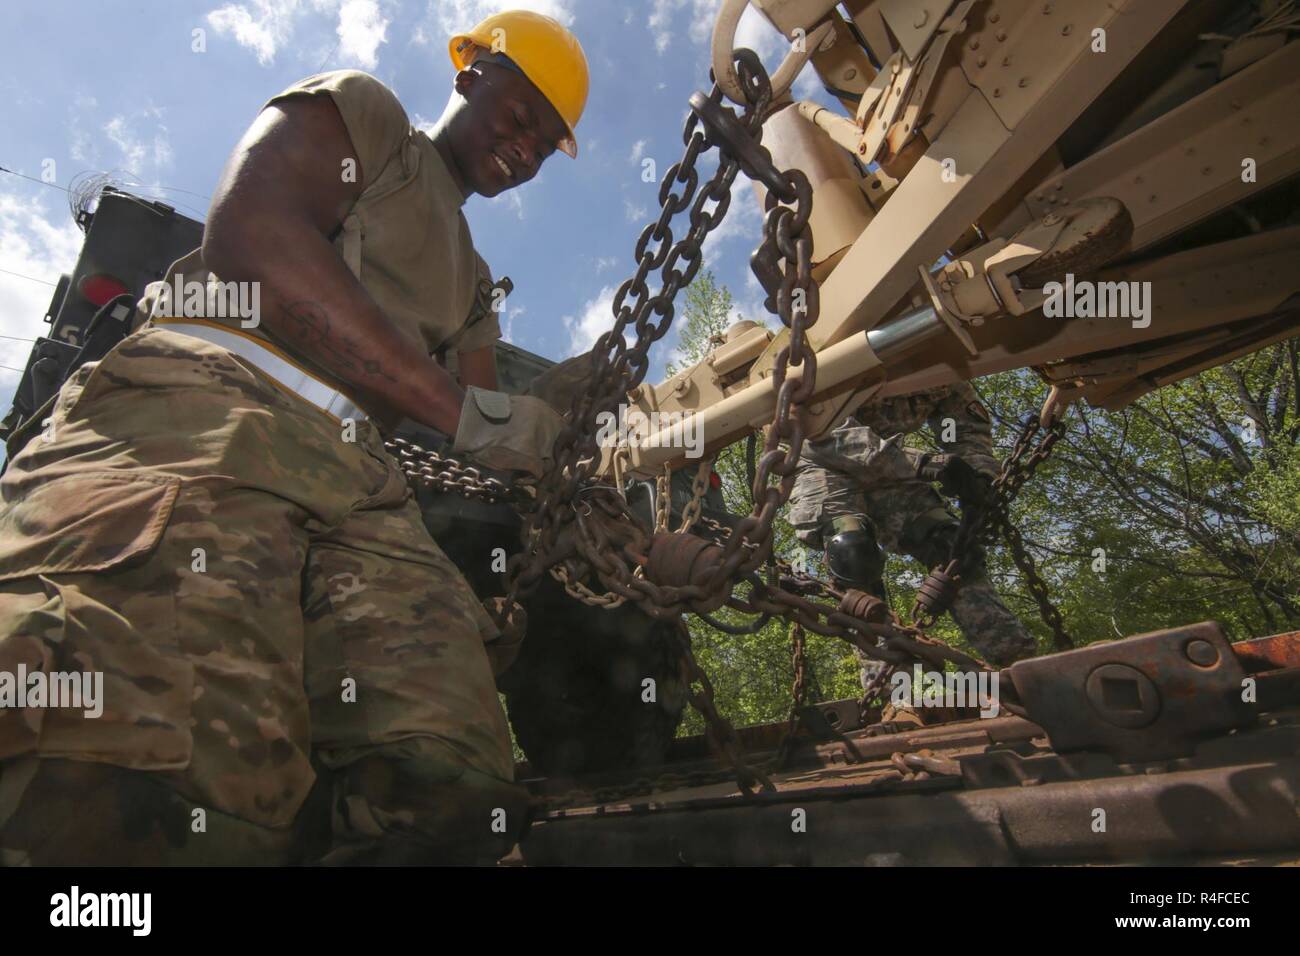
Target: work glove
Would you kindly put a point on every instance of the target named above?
(956, 477)
(507, 432)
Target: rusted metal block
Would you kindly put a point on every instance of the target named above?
(1269, 653)
(1176, 816)
(1148, 697)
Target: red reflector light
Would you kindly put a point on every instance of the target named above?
(715, 480)
(99, 290)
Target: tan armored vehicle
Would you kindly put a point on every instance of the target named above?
(1137, 159)
(1102, 190)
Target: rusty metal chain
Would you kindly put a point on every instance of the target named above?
(790, 599)
(798, 691)
(428, 469)
(699, 488)
(663, 500)
(576, 528)
(875, 688)
(990, 518)
(1000, 523)
(718, 732)
(617, 367)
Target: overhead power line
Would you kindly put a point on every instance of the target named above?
(32, 278)
(116, 180)
(124, 182)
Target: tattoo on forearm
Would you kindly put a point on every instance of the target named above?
(309, 324)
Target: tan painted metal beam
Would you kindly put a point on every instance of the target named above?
(926, 212)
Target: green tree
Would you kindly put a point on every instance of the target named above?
(1180, 507)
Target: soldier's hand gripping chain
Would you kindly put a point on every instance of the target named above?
(507, 432)
(956, 478)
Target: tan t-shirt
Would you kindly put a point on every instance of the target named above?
(406, 238)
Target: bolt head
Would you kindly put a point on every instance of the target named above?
(1123, 696)
(1202, 653)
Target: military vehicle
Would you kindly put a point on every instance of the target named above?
(1102, 190)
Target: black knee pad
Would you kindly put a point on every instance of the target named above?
(855, 560)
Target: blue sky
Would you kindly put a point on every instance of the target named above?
(115, 86)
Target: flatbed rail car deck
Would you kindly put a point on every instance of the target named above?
(1197, 775)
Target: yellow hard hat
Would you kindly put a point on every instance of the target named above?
(548, 54)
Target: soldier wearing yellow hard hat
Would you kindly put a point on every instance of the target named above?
(323, 644)
(545, 52)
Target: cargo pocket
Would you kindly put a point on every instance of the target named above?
(90, 668)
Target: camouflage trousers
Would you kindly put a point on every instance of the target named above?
(272, 623)
(856, 472)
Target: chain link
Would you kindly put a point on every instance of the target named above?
(699, 488)
(798, 691)
(428, 469)
(577, 529)
(1000, 523)
(992, 518)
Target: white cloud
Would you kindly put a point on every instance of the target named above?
(512, 199)
(361, 30)
(753, 32)
(423, 124)
(35, 242)
(143, 155)
(135, 147)
(604, 263)
(596, 319)
(756, 33)
(508, 326)
(133, 151)
(660, 22)
(634, 212)
(744, 219)
(807, 84)
(264, 28)
(638, 150)
(455, 16)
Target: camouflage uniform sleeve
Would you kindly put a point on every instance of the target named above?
(376, 122)
(973, 438)
(482, 326)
